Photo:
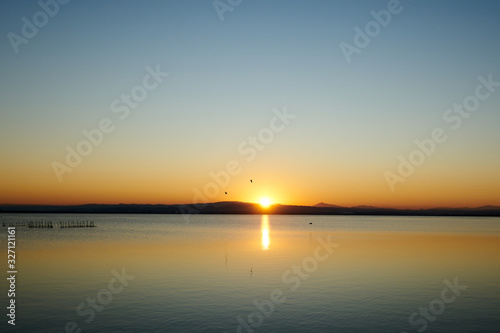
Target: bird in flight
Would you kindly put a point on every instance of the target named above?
(225, 192)
(251, 181)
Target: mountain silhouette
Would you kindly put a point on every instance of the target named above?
(237, 207)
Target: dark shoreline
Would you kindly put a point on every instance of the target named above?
(245, 208)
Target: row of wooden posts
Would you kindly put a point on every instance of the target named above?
(51, 224)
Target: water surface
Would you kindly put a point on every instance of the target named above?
(256, 273)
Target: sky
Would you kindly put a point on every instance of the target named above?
(315, 101)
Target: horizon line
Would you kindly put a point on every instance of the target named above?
(256, 203)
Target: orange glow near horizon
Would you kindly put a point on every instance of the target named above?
(119, 182)
(134, 192)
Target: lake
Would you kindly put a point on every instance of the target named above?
(255, 273)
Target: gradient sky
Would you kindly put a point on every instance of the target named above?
(225, 79)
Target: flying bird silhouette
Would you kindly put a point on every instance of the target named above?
(225, 192)
(251, 181)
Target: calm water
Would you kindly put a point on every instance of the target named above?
(253, 273)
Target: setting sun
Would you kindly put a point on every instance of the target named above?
(265, 202)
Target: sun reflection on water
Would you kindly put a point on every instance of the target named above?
(265, 232)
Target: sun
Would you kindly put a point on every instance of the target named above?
(265, 202)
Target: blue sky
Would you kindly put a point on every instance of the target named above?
(227, 76)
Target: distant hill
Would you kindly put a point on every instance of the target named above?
(366, 207)
(487, 208)
(236, 207)
(322, 204)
